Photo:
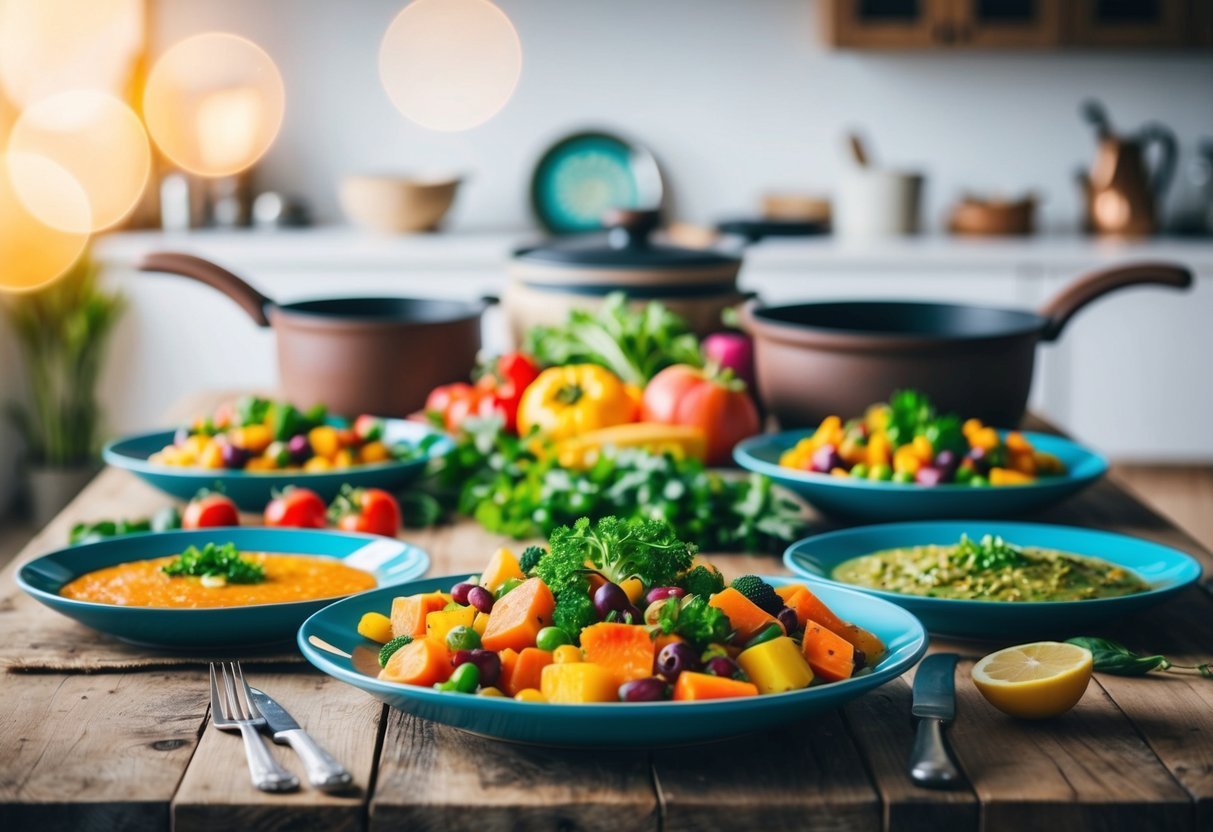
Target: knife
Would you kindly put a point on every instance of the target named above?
(323, 770)
(934, 704)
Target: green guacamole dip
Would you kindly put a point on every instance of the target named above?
(989, 570)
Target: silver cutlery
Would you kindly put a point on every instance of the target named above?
(235, 710)
(323, 770)
(934, 703)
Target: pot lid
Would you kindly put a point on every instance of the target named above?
(626, 245)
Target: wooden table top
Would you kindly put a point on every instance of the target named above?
(134, 750)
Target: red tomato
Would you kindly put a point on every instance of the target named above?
(685, 395)
(209, 509)
(367, 510)
(458, 401)
(508, 377)
(300, 508)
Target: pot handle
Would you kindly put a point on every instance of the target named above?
(1062, 306)
(217, 277)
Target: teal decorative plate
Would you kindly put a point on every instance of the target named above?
(1167, 570)
(252, 490)
(639, 724)
(871, 502)
(582, 176)
(390, 561)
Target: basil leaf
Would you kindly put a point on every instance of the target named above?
(1113, 657)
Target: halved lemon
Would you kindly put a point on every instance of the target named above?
(1034, 681)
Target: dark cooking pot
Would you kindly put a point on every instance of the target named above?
(817, 359)
(354, 355)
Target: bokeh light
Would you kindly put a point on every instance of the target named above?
(450, 64)
(213, 103)
(52, 46)
(32, 253)
(98, 141)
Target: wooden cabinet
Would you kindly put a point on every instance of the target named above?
(1018, 24)
(1146, 23)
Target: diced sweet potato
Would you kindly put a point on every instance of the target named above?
(408, 613)
(829, 655)
(696, 686)
(420, 662)
(746, 617)
(626, 650)
(518, 616)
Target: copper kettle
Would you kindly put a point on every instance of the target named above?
(1122, 194)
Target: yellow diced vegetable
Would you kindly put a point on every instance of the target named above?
(923, 450)
(317, 463)
(578, 682)
(530, 695)
(1006, 476)
(493, 692)
(324, 441)
(253, 438)
(480, 622)
(343, 458)
(211, 456)
(906, 459)
(441, 622)
(376, 626)
(776, 666)
(633, 588)
(566, 654)
(373, 452)
(501, 567)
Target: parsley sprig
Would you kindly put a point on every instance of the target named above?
(216, 561)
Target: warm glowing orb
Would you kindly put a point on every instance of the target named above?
(99, 142)
(214, 103)
(52, 46)
(450, 64)
(32, 253)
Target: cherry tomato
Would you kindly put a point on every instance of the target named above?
(685, 395)
(367, 510)
(297, 507)
(209, 509)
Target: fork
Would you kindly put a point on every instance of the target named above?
(236, 712)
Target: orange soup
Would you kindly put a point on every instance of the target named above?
(141, 583)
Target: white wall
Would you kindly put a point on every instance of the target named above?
(734, 97)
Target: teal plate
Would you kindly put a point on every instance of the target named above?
(251, 491)
(599, 725)
(1167, 570)
(583, 176)
(390, 561)
(871, 502)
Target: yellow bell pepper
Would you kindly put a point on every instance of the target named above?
(681, 441)
(574, 399)
(776, 666)
(376, 626)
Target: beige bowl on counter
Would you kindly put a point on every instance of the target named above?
(549, 280)
(397, 204)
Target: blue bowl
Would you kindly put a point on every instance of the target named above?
(872, 502)
(600, 725)
(390, 561)
(1167, 570)
(252, 490)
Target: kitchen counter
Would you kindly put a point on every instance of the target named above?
(134, 750)
(1120, 379)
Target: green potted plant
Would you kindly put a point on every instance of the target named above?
(61, 332)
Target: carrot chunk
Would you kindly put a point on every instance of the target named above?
(526, 671)
(408, 613)
(420, 662)
(626, 650)
(831, 657)
(519, 615)
(694, 686)
(746, 617)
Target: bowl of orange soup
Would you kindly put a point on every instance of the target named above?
(219, 587)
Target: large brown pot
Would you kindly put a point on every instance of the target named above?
(353, 355)
(813, 360)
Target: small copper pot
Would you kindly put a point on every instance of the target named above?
(813, 360)
(353, 355)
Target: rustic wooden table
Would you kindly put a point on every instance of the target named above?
(134, 750)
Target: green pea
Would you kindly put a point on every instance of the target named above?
(978, 481)
(462, 638)
(860, 470)
(466, 678)
(549, 638)
(507, 585)
(964, 475)
(903, 477)
(881, 472)
(767, 633)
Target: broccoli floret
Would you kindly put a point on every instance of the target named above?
(391, 647)
(760, 592)
(621, 549)
(703, 581)
(530, 557)
(695, 620)
(574, 611)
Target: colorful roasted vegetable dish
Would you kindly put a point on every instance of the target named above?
(908, 441)
(615, 611)
(259, 435)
